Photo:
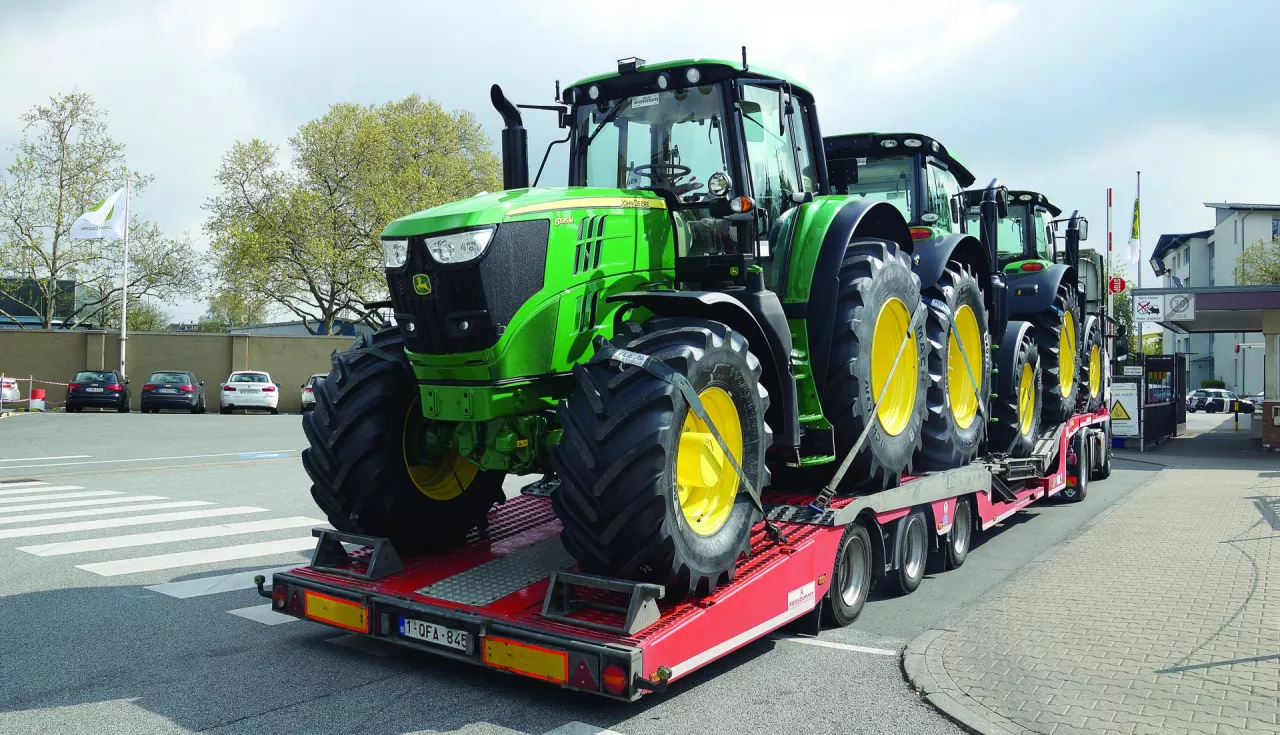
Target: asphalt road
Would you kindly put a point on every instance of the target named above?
(110, 630)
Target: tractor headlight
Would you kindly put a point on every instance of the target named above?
(460, 247)
(395, 253)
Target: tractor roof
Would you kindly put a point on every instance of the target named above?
(1035, 198)
(725, 68)
(870, 145)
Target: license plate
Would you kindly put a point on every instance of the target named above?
(432, 633)
(250, 390)
(168, 390)
(93, 390)
(335, 611)
(525, 658)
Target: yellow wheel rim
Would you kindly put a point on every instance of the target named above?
(1026, 399)
(960, 389)
(899, 403)
(1095, 371)
(443, 480)
(706, 485)
(1067, 353)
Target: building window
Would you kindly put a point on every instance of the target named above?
(1211, 281)
(1275, 228)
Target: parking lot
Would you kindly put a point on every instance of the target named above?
(129, 543)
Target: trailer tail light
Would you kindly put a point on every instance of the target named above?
(279, 596)
(614, 679)
(1033, 267)
(921, 233)
(187, 388)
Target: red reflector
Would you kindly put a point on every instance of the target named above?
(230, 388)
(1033, 266)
(149, 386)
(115, 386)
(268, 389)
(582, 677)
(921, 233)
(614, 678)
(187, 388)
(74, 386)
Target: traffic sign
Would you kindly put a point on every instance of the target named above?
(1116, 285)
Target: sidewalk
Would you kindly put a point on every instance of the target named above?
(1163, 616)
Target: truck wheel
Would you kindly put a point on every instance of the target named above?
(912, 540)
(645, 490)
(1056, 331)
(369, 471)
(1074, 493)
(1091, 367)
(878, 296)
(1016, 405)
(850, 578)
(1104, 468)
(960, 538)
(954, 427)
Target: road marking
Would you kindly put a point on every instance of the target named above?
(41, 459)
(21, 491)
(263, 455)
(79, 503)
(202, 556)
(29, 483)
(60, 496)
(202, 586)
(580, 728)
(282, 452)
(360, 643)
(103, 511)
(129, 521)
(164, 537)
(263, 614)
(831, 644)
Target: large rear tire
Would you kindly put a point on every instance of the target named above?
(369, 475)
(1056, 331)
(645, 490)
(955, 425)
(1092, 378)
(879, 294)
(1016, 403)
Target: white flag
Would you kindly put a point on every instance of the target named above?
(105, 220)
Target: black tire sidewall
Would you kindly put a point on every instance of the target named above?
(946, 444)
(836, 611)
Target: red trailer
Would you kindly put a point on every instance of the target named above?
(511, 600)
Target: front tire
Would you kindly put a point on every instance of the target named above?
(1092, 370)
(959, 356)
(365, 466)
(1016, 404)
(645, 491)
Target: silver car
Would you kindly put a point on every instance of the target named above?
(308, 391)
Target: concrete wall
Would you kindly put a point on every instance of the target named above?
(57, 355)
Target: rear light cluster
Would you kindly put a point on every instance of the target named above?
(74, 386)
(307, 389)
(115, 386)
(614, 679)
(229, 389)
(268, 389)
(149, 386)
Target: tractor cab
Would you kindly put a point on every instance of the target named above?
(1025, 240)
(913, 172)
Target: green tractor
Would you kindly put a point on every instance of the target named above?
(964, 288)
(696, 310)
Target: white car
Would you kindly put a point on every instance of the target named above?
(249, 389)
(9, 392)
(308, 391)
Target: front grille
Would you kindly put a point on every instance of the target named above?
(484, 295)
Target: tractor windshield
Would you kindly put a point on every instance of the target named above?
(888, 179)
(1010, 233)
(670, 140)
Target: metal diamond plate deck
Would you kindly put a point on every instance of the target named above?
(498, 578)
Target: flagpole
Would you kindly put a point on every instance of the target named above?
(124, 291)
(1139, 234)
(1111, 298)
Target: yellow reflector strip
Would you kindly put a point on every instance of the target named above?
(590, 203)
(526, 658)
(335, 611)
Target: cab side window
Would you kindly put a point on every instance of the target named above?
(770, 151)
(1044, 235)
(942, 186)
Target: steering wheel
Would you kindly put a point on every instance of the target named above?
(661, 170)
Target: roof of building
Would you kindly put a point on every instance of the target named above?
(1169, 242)
(1240, 205)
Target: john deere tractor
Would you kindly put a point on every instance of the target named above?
(697, 308)
(964, 288)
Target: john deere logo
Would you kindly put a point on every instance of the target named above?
(422, 284)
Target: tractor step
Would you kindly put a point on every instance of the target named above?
(541, 488)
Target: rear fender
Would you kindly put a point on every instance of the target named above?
(932, 256)
(771, 347)
(1031, 292)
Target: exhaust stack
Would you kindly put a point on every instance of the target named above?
(515, 142)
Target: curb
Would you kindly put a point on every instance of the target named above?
(922, 665)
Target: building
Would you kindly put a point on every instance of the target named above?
(1208, 258)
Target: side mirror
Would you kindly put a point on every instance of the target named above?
(1002, 202)
(126, 381)
(753, 119)
(1084, 229)
(202, 383)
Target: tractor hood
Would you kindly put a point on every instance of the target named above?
(493, 208)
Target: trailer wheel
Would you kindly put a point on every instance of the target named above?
(960, 538)
(1091, 365)
(912, 543)
(367, 473)
(1056, 331)
(850, 578)
(959, 346)
(1104, 469)
(1016, 404)
(1074, 493)
(878, 297)
(645, 490)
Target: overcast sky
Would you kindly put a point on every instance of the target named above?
(1068, 98)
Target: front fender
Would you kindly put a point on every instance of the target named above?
(932, 256)
(1031, 292)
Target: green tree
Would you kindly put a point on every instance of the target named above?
(229, 309)
(1259, 264)
(305, 235)
(1122, 310)
(66, 161)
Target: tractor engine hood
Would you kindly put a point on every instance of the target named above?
(491, 208)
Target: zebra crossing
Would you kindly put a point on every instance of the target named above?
(104, 533)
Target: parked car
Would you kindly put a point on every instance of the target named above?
(173, 389)
(249, 389)
(1214, 400)
(308, 393)
(9, 392)
(98, 389)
